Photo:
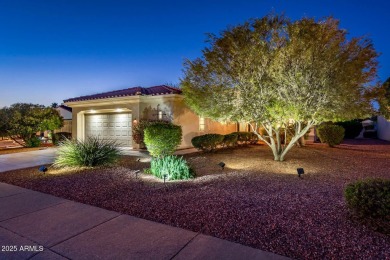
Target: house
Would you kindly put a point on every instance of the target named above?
(111, 115)
(66, 113)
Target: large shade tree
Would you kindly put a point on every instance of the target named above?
(22, 120)
(282, 77)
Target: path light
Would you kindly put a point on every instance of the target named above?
(139, 159)
(165, 177)
(136, 173)
(300, 171)
(222, 165)
(42, 169)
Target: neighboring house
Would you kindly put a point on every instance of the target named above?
(66, 113)
(112, 114)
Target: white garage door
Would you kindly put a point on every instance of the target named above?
(110, 126)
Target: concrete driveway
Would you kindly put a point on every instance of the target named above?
(22, 160)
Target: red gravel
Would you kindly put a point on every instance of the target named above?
(254, 201)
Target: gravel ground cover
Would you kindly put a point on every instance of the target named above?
(254, 201)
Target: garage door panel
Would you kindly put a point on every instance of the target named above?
(110, 126)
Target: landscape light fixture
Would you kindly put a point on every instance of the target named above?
(139, 159)
(165, 177)
(300, 171)
(136, 173)
(222, 165)
(42, 169)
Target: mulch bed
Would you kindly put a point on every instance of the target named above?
(254, 201)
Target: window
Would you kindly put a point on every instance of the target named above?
(201, 123)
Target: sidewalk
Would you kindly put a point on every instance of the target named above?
(35, 225)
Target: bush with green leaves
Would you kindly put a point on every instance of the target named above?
(207, 142)
(352, 128)
(230, 140)
(88, 153)
(162, 139)
(175, 168)
(139, 128)
(246, 137)
(370, 200)
(61, 136)
(330, 134)
(33, 142)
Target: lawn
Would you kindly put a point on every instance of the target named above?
(254, 201)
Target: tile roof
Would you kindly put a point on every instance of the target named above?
(65, 107)
(151, 91)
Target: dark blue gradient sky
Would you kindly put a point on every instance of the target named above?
(52, 50)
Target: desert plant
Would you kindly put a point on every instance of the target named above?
(162, 139)
(230, 140)
(88, 153)
(369, 200)
(352, 128)
(330, 134)
(33, 142)
(175, 168)
(207, 142)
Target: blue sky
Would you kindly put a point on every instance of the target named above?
(54, 50)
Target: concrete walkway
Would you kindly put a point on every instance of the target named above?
(35, 225)
(22, 160)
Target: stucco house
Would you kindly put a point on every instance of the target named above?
(111, 115)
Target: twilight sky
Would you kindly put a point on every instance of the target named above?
(57, 49)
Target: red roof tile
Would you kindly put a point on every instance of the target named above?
(151, 91)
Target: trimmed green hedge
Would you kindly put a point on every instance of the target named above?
(207, 142)
(230, 140)
(162, 139)
(330, 134)
(246, 137)
(352, 128)
(370, 199)
(138, 130)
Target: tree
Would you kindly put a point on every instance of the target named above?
(25, 120)
(381, 94)
(280, 75)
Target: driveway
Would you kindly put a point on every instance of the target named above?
(22, 160)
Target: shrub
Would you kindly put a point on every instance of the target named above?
(89, 153)
(352, 128)
(246, 137)
(33, 142)
(139, 128)
(230, 140)
(176, 168)
(162, 139)
(370, 200)
(61, 136)
(330, 134)
(370, 134)
(207, 142)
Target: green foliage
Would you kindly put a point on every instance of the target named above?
(352, 128)
(275, 73)
(246, 137)
(176, 168)
(25, 120)
(89, 153)
(33, 142)
(162, 139)
(370, 199)
(207, 142)
(330, 134)
(230, 140)
(139, 128)
(61, 137)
